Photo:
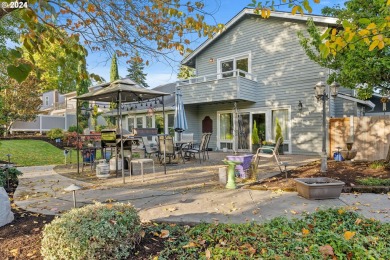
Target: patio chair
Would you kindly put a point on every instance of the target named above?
(149, 150)
(273, 153)
(169, 148)
(201, 149)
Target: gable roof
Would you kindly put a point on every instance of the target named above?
(190, 59)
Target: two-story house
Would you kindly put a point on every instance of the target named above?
(256, 70)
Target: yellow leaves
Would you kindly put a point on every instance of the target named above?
(317, 1)
(305, 231)
(91, 8)
(371, 26)
(373, 45)
(358, 221)
(363, 32)
(348, 235)
(388, 2)
(265, 13)
(208, 254)
(341, 211)
(15, 252)
(190, 244)
(295, 9)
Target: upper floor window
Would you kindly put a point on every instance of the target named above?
(228, 66)
(46, 101)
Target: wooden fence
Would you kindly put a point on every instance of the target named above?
(370, 136)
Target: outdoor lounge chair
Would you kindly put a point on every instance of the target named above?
(272, 153)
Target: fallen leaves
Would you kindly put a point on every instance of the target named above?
(348, 235)
(326, 250)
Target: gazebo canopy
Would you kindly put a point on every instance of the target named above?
(126, 88)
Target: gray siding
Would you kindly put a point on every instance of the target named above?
(284, 73)
(343, 107)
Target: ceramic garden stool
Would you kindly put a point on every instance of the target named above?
(141, 162)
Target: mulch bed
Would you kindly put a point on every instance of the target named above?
(21, 239)
(346, 171)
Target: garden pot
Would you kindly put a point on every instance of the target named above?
(319, 188)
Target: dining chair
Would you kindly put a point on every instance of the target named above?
(201, 149)
(149, 149)
(168, 148)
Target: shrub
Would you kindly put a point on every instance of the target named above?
(74, 128)
(12, 174)
(55, 133)
(99, 231)
(374, 182)
(99, 128)
(255, 134)
(278, 132)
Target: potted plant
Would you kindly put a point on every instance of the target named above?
(278, 134)
(255, 138)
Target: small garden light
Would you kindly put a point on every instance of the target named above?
(73, 188)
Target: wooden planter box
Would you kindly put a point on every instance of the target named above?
(319, 188)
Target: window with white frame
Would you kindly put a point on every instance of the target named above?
(46, 101)
(227, 66)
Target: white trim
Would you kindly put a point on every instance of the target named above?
(250, 11)
(268, 122)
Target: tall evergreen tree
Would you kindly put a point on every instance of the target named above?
(114, 75)
(136, 71)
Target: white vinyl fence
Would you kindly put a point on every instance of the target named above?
(44, 123)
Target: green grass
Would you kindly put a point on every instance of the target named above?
(33, 153)
(324, 234)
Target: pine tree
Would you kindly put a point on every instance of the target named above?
(136, 71)
(114, 75)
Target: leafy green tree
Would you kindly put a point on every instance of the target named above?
(359, 68)
(372, 32)
(19, 101)
(114, 75)
(154, 28)
(136, 71)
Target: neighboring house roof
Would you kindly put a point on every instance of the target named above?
(367, 103)
(190, 59)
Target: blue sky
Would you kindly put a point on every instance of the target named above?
(159, 73)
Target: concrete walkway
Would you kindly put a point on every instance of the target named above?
(186, 195)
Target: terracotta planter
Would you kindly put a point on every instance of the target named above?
(319, 188)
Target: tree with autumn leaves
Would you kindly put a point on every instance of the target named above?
(153, 28)
(361, 68)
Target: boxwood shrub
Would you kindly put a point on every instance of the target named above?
(99, 231)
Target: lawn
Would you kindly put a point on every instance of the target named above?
(33, 153)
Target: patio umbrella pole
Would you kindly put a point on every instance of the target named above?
(121, 132)
(165, 165)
